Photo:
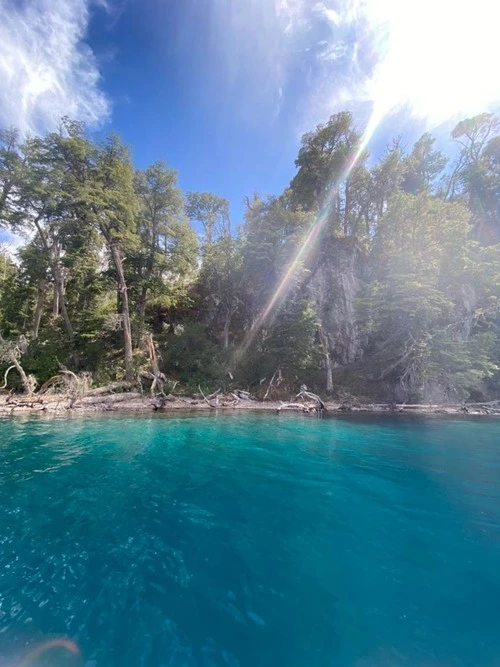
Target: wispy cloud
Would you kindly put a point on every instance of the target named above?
(434, 58)
(46, 68)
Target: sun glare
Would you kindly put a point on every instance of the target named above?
(437, 56)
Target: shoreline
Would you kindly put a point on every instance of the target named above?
(136, 404)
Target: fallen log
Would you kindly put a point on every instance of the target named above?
(110, 388)
(244, 395)
(214, 403)
(293, 406)
(111, 399)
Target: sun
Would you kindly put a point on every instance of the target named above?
(438, 56)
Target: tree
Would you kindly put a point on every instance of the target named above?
(423, 166)
(286, 348)
(164, 256)
(421, 336)
(10, 165)
(272, 235)
(212, 212)
(37, 205)
(475, 175)
(330, 172)
(220, 283)
(481, 185)
(387, 178)
(108, 202)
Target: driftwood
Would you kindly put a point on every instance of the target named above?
(293, 406)
(10, 368)
(303, 393)
(214, 395)
(243, 395)
(110, 388)
(213, 403)
(161, 402)
(111, 399)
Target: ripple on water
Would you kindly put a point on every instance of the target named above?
(251, 540)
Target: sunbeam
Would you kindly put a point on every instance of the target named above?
(308, 246)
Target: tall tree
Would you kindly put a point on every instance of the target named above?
(423, 166)
(330, 172)
(108, 202)
(167, 245)
(476, 173)
(211, 212)
(38, 205)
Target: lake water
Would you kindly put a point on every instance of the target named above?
(251, 540)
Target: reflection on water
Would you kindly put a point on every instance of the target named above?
(249, 540)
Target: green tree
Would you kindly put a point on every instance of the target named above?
(331, 173)
(417, 314)
(423, 166)
(163, 260)
(211, 212)
(107, 201)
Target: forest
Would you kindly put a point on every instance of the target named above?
(376, 279)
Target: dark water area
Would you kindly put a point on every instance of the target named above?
(250, 540)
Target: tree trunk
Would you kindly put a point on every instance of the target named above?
(227, 325)
(11, 356)
(347, 209)
(58, 281)
(141, 311)
(328, 360)
(40, 302)
(26, 383)
(55, 302)
(125, 311)
(61, 297)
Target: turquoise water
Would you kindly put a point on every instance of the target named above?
(250, 540)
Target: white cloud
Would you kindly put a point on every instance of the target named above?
(46, 68)
(328, 13)
(435, 59)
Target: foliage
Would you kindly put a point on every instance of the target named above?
(111, 254)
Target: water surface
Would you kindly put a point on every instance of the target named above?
(250, 540)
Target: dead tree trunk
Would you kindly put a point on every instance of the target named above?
(40, 302)
(141, 312)
(328, 360)
(11, 353)
(159, 379)
(125, 311)
(277, 372)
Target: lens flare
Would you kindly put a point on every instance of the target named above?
(309, 244)
(47, 646)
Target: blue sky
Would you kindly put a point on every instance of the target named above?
(223, 89)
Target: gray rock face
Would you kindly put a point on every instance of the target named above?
(334, 283)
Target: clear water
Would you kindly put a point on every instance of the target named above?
(250, 540)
